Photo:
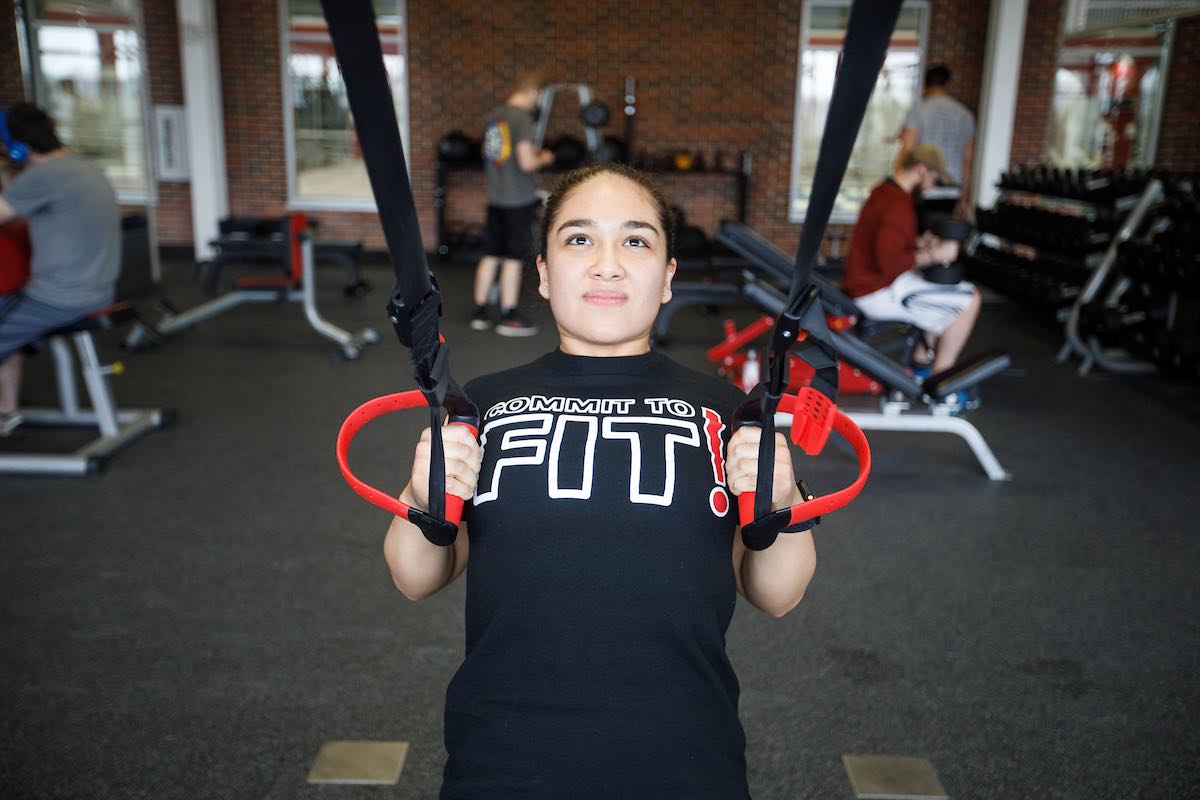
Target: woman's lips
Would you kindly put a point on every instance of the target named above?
(604, 298)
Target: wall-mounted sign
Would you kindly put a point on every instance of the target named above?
(170, 124)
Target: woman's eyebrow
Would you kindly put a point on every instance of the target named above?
(635, 224)
(578, 223)
(631, 224)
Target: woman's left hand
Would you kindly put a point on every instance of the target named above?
(741, 467)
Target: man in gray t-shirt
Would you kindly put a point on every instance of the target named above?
(508, 186)
(75, 233)
(510, 160)
(941, 120)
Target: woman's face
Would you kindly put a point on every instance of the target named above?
(605, 271)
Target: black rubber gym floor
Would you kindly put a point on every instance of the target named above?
(195, 622)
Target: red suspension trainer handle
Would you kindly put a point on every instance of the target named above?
(813, 416)
(438, 531)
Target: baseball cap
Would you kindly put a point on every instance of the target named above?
(931, 156)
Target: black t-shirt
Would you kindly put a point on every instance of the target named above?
(599, 588)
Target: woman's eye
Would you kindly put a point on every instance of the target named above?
(578, 238)
(637, 241)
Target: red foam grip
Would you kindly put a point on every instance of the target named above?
(373, 409)
(812, 418)
(454, 507)
(839, 499)
(826, 418)
(746, 507)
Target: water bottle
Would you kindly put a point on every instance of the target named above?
(750, 371)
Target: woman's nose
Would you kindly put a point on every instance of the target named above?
(609, 264)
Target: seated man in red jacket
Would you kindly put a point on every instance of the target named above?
(885, 255)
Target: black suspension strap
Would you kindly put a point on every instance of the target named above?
(814, 410)
(416, 303)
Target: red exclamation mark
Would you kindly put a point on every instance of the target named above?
(718, 498)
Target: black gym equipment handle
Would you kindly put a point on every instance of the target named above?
(360, 56)
(868, 32)
(415, 305)
(864, 49)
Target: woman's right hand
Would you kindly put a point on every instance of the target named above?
(463, 457)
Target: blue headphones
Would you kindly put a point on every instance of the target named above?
(17, 151)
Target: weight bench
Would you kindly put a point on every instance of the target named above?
(117, 427)
(906, 404)
(297, 286)
(764, 262)
(253, 239)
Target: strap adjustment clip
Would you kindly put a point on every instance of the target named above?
(414, 323)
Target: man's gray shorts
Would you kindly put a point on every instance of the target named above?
(24, 320)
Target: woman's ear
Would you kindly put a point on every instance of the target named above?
(543, 278)
(666, 292)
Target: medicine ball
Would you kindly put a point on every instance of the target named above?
(456, 148)
(611, 149)
(569, 152)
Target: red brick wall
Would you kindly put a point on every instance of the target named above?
(958, 39)
(161, 28)
(252, 99)
(730, 89)
(722, 80)
(726, 82)
(1035, 92)
(1181, 108)
(11, 88)
(1177, 135)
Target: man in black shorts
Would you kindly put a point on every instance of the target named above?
(510, 160)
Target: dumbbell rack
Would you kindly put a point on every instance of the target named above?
(443, 247)
(1114, 254)
(1047, 233)
(1140, 311)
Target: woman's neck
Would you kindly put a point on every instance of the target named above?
(577, 347)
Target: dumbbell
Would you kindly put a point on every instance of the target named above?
(594, 114)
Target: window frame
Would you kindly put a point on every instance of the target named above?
(31, 52)
(334, 203)
(1074, 28)
(836, 217)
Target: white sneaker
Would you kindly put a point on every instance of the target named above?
(9, 422)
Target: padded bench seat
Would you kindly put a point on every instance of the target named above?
(258, 240)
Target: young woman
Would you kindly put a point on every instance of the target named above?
(602, 536)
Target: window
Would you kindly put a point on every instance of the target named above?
(896, 92)
(1108, 88)
(1107, 106)
(88, 75)
(325, 167)
(1092, 15)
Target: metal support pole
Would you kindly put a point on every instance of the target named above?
(350, 343)
(98, 389)
(64, 373)
(1091, 350)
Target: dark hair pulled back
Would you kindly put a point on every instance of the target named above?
(577, 177)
